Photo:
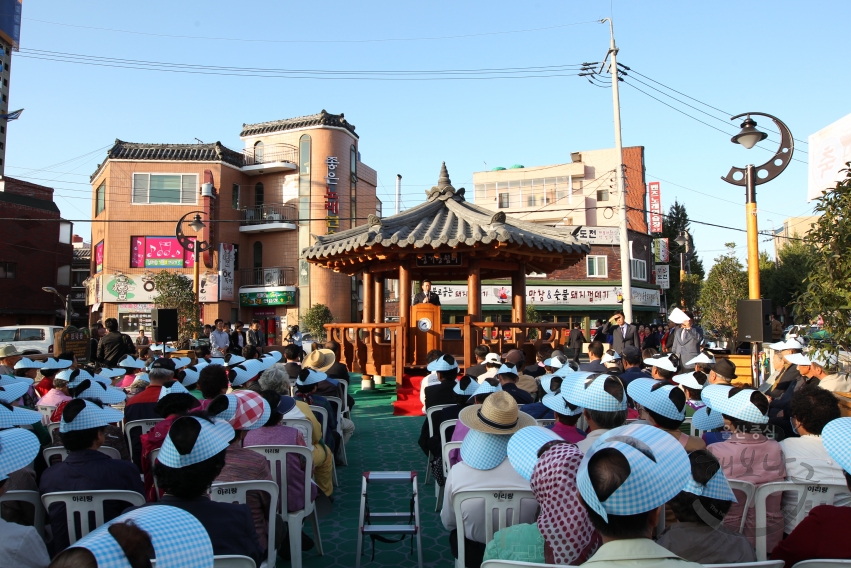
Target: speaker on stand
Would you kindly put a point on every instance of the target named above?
(754, 325)
(163, 325)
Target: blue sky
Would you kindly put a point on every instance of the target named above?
(783, 58)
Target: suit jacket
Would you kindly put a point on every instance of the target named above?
(521, 396)
(686, 345)
(338, 371)
(576, 339)
(293, 369)
(432, 299)
(621, 340)
(534, 370)
(441, 393)
(477, 370)
(593, 367)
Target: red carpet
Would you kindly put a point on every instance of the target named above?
(408, 397)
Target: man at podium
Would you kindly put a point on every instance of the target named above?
(426, 296)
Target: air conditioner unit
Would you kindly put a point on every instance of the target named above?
(207, 190)
(272, 277)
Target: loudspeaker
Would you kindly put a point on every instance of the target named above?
(754, 321)
(163, 325)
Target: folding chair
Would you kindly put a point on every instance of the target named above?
(46, 412)
(410, 517)
(444, 432)
(277, 457)
(340, 404)
(809, 496)
(84, 503)
(49, 453)
(237, 492)
(429, 412)
(136, 429)
(33, 498)
(323, 420)
(495, 500)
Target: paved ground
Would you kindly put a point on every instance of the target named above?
(381, 442)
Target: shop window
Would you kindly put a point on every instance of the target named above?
(100, 199)
(597, 266)
(165, 188)
(8, 269)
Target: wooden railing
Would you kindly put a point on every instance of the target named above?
(372, 348)
(509, 335)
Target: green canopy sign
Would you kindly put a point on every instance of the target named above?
(269, 298)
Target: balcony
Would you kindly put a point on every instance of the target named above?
(266, 277)
(270, 158)
(268, 219)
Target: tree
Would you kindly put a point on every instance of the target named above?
(674, 222)
(828, 282)
(726, 284)
(532, 316)
(315, 319)
(174, 292)
(782, 282)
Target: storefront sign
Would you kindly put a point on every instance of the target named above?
(663, 276)
(268, 298)
(441, 259)
(75, 340)
(332, 201)
(208, 287)
(134, 288)
(93, 290)
(456, 295)
(99, 257)
(160, 252)
(226, 271)
(655, 193)
(661, 250)
(600, 235)
(134, 317)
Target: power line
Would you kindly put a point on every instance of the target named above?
(690, 220)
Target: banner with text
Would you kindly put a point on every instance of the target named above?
(661, 250)
(655, 193)
(226, 271)
(456, 295)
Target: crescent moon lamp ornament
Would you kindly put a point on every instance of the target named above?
(424, 324)
(773, 167)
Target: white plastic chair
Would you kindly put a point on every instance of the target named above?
(84, 503)
(33, 498)
(438, 489)
(448, 447)
(52, 427)
(236, 492)
(46, 412)
(823, 563)
(304, 426)
(49, 453)
(323, 421)
(232, 561)
(136, 429)
(516, 564)
(277, 457)
(153, 457)
(344, 388)
(495, 500)
(340, 405)
(749, 489)
(816, 494)
(758, 564)
(429, 412)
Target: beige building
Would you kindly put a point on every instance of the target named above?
(793, 227)
(294, 178)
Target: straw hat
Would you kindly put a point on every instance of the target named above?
(498, 415)
(319, 360)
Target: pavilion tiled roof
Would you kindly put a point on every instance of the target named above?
(445, 219)
(323, 118)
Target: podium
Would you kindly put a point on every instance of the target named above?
(424, 334)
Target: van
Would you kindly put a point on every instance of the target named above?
(33, 338)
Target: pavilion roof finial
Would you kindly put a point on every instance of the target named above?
(444, 180)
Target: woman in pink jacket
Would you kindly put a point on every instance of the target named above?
(748, 455)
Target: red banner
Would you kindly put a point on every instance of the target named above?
(655, 207)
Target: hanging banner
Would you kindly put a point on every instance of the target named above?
(655, 193)
(663, 276)
(829, 149)
(332, 201)
(661, 250)
(454, 295)
(208, 287)
(226, 271)
(99, 257)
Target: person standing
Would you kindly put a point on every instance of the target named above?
(622, 333)
(237, 338)
(426, 296)
(575, 341)
(776, 329)
(255, 335)
(114, 346)
(142, 339)
(688, 339)
(219, 340)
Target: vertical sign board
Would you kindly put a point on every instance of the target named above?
(829, 149)
(75, 340)
(661, 250)
(226, 271)
(655, 207)
(663, 276)
(99, 257)
(332, 201)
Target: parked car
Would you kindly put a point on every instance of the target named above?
(804, 331)
(33, 338)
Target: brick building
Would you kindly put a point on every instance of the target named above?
(294, 178)
(36, 252)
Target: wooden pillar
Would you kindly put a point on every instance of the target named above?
(518, 293)
(474, 291)
(404, 290)
(378, 299)
(368, 310)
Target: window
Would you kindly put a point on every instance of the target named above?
(31, 334)
(63, 275)
(577, 186)
(8, 269)
(561, 187)
(602, 195)
(78, 277)
(165, 188)
(638, 269)
(100, 199)
(234, 199)
(353, 166)
(258, 254)
(304, 179)
(377, 207)
(480, 193)
(258, 153)
(503, 201)
(258, 195)
(597, 267)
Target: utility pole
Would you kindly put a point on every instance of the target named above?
(626, 272)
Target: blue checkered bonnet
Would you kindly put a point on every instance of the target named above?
(201, 363)
(484, 451)
(101, 393)
(18, 448)
(508, 370)
(557, 403)
(108, 373)
(131, 362)
(13, 391)
(162, 347)
(179, 539)
(691, 381)
(553, 363)
(74, 376)
(610, 356)
(91, 416)
(524, 445)
(656, 400)
(212, 439)
(662, 361)
(471, 388)
(565, 371)
(106, 381)
(56, 364)
(312, 378)
(27, 363)
(175, 388)
(180, 362)
(10, 380)
(659, 469)
(705, 357)
(586, 390)
(232, 359)
(738, 406)
(274, 355)
(716, 488)
(11, 416)
(441, 364)
(706, 419)
(834, 438)
(245, 371)
(190, 375)
(545, 381)
(485, 388)
(142, 377)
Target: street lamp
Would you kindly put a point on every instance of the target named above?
(199, 246)
(683, 240)
(751, 176)
(66, 301)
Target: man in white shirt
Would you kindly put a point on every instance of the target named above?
(807, 461)
(219, 340)
(485, 467)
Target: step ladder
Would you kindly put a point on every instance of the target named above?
(366, 528)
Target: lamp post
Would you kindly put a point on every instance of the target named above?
(199, 246)
(684, 240)
(750, 176)
(66, 301)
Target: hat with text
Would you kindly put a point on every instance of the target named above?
(557, 403)
(484, 451)
(11, 416)
(524, 445)
(695, 380)
(131, 362)
(94, 390)
(657, 396)
(735, 402)
(667, 361)
(716, 488)
(27, 363)
(499, 414)
(193, 439)
(83, 414)
(706, 419)
(678, 316)
(588, 391)
(443, 363)
(706, 357)
(13, 391)
(243, 409)
(18, 448)
(834, 437)
(653, 455)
